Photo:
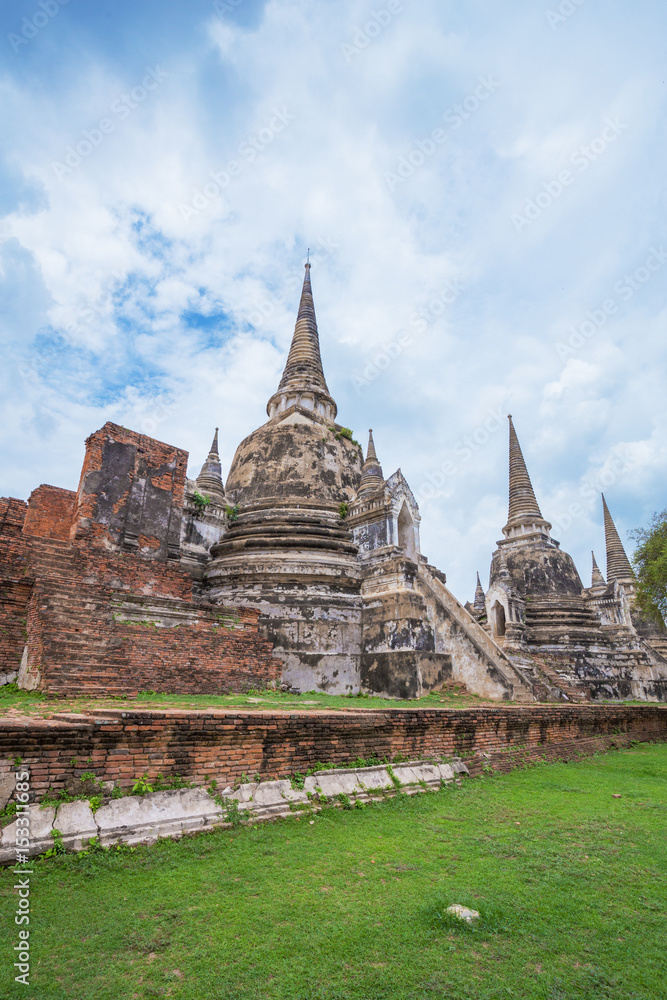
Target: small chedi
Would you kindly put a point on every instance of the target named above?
(302, 570)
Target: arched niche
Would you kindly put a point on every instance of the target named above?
(498, 620)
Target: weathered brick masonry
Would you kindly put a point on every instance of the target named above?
(79, 646)
(14, 587)
(92, 589)
(121, 745)
(131, 493)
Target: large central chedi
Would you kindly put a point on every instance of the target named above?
(289, 547)
(329, 551)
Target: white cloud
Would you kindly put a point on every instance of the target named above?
(108, 253)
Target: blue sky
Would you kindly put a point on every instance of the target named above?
(482, 191)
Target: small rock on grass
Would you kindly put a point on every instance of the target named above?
(463, 913)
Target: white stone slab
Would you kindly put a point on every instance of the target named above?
(277, 793)
(41, 822)
(334, 783)
(459, 767)
(7, 786)
(446, 772)
(197, 802)
(428, 773)
(137, 819)
(123, 815)
(39, 834)
(406, 774)
(76, 822)
(374, 778)
(8, 840)
(244, 793)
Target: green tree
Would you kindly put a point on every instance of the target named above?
(650, 562)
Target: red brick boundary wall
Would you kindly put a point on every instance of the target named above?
(123, 745)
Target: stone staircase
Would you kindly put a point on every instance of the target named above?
(52, 559)
(550, 684)
(516, 682)
(74, 619)
(98, 629)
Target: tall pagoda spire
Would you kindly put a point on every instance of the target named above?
(618, 564)
(372, 478)
(523, 507)
(522, 495)
(597, 579)
(209, 480)
(303, 380)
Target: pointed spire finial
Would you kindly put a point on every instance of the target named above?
(524, 511)
(304, 362)
(479, 604)
(597, 579)
(618, 564)
(303, 377)
(372, 478)
(522, 495)
(209, 480)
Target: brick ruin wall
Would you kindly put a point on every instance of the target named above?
(131, 493)
(89, 579)
(198, 746)
(15, 589)
(50, 513)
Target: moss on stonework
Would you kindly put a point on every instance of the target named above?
(345, 432)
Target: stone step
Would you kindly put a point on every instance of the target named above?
(89, 660)
(76, 609)
(96, 666)
(66, 576)
(65, 681)
(84, 658)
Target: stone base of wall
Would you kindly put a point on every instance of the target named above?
(144, 819)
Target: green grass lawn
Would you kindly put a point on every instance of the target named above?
(37, 703)
(42, 705)
(570, 882)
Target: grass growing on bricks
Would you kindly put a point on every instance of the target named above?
(570, 884)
